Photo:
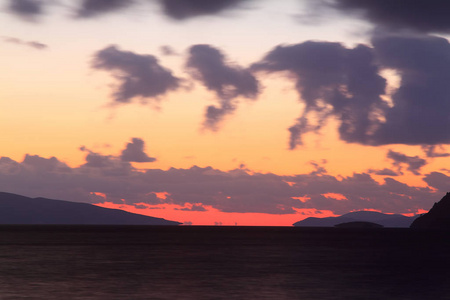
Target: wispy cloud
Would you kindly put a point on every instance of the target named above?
(32, 44)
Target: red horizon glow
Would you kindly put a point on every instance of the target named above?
(215, 217)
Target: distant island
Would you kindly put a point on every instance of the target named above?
(16, 209)
(437, 218)
(358, 224)
(385, 220)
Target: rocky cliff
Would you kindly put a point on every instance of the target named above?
(437, 218)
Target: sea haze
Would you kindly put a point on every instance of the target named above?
(191, 262)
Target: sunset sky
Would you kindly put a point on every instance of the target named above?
(247, 112)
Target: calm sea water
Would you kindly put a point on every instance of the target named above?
(92, 262)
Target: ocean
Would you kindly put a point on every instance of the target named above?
(221, 262)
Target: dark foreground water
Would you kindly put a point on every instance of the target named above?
(92, 262)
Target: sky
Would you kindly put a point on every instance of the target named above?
(227, 112)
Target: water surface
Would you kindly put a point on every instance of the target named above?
(190, 262)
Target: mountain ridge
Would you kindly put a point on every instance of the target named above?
(18, 209)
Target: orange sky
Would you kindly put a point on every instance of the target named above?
(54, 101)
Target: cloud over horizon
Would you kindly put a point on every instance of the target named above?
(197, 188)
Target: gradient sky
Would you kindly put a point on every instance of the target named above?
(227, 112)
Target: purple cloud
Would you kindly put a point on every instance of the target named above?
(332, 81)
(439, 181)
(106, 165)
(139, 75)
(414, 163)
(41, 164)
(430, 151)
(194, 207)
(134, 152)
(384, 172)
(209, 66)
(418, 115)
(197, 188)
(27, 9)
(94, 8)
(32, 44)
(184, 9)
(335, 81)
(424, 16)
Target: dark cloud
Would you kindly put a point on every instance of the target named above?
(332, 81)
(420, 105)
(184, 9)
(94, 8)
(139, 75)
(27, 9)
(439, 181)
(430, 151)
(175, 9)
(424, 16)
(32, 44)
(384, 172)
(414, 163)
(134, 152)
(208, 65)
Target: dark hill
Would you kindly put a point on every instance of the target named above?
(437, 218)
(16, 209)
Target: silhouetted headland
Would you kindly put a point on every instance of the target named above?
(437, 218)
(16, 209)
